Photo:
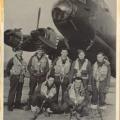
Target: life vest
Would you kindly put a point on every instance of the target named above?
(19, 66)
(100, 72)
(45, 91)
(83, 68)
(62, 69)
(79, 97)
(39, 65)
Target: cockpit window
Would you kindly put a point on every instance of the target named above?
(83, 1)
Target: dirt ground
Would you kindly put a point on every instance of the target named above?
(108, 114)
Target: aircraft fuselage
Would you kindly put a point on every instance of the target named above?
(83, 23)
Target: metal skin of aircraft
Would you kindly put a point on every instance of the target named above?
(88, 25)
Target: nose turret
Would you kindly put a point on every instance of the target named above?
(62, 10)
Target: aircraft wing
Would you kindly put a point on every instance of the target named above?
(45, 37)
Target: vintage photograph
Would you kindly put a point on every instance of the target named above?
(60, 59)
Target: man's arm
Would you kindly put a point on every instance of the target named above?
(54, 63)
(52, 70)
(72, 72)
(89, 73)
(47, 66)
(9, 66)
(69, 68)
(52, 92)
(108, 77)
(29, 66)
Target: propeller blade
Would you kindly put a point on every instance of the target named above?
(39, 12)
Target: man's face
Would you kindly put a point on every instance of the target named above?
(77, 84)
(40, 52)
(81, 55)
(19, 53)
(100, 58)
(64, 53)
(50, 81)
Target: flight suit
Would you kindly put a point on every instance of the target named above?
(100, 82)
(61, 68)
(46, 94)
(76, 99)
(17, 74)
(38, 68)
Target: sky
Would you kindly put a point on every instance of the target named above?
(23, 14)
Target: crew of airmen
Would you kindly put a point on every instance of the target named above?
(63, 86)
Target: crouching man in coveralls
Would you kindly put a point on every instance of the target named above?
(76, 98)
(44, 97)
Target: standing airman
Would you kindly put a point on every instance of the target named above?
(17, 70)
(38, 67)
(100, 81)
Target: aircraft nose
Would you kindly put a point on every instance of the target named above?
(62, 11)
